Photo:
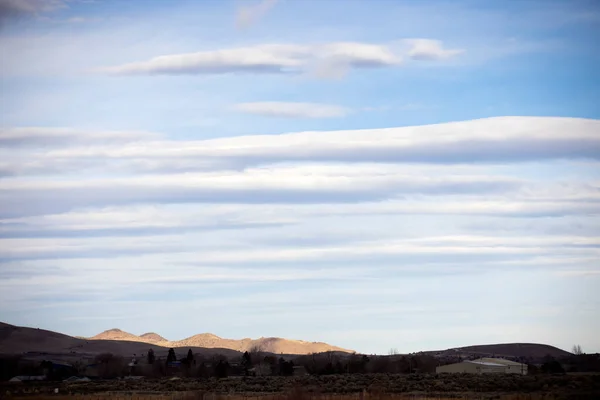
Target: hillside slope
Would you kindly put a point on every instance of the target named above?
(527, 350)
(21, 340)
(117, 334)
(152, 337)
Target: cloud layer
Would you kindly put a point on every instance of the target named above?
(493, 140)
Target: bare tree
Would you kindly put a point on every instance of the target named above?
(256, 354)
(393, 352)
(577, 350)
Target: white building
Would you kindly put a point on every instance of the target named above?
(484, 366)
(471, 367)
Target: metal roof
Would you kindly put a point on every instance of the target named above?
(487, 364)
(499, 361)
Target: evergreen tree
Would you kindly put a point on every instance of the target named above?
(246, 362)
(171, 356)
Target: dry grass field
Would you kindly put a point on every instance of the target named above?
(333, 387)
(296, 396)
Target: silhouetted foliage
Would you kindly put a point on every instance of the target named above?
(358, 364)
(286, 368)
(151, 357)
(171, 356)
(582, 363)
(552, 366)
(110, 366)
(222, 369)
(9, 367)
(190, 357)
(246, 362)
(331, 363)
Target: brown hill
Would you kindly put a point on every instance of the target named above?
(269, 345)
(117, 334)
(153, 337)
(287, 346)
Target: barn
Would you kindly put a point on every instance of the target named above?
(472, 367)
(484, 366)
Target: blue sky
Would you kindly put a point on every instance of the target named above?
(374, 174)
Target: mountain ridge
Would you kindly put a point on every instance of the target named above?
(210, 340)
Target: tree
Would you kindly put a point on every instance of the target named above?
(151, 357)
(271, 361)
(256, 354)
(222, 369)
(246, 362)
(357, 364)
(9, 367)
(552, 366)
(577, 350)
(286, 368)
(190, 357)
(171, 356)
(111, 366)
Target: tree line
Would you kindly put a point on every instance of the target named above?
(256, 362)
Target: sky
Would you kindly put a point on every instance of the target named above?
(415, 175)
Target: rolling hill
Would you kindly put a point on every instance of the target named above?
(32, 341)
(15, 339)
(528, 351)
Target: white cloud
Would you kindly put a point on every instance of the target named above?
(248, 15)
(522, 210)
(257, 59)
(483, 141)
(147, 217)
(17, 8)
(242, 252)
(578, 273)
(430, 50)
(266, 58)
(287, 185)
(292, 109)
(142, 220)
(43, 136)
